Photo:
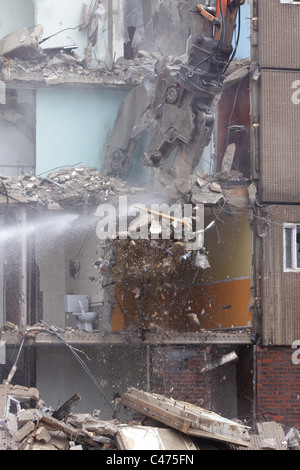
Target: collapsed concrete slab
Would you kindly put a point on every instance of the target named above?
(134, 116)
(20, 44)
(187, 418)
(150, 438)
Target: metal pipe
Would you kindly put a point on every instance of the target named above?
(255, 388)
(14, 367)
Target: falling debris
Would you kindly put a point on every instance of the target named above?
(194, 319)
(227, 162)
(227, 358)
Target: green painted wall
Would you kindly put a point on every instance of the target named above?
(16, 14)
(74, 125)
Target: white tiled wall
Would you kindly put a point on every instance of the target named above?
(88, 251)
(50, 257)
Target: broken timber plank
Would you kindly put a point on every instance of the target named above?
(65, 409)
(24, 432)
(57, 425)
(165, 216)
(187, 418)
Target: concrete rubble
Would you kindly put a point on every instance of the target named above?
(21, 44)
(62, 65)
(26, 423)
(65, 186)
(83, 185)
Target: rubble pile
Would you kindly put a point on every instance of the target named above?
(27, 424)
(55, 67)
(68, 185)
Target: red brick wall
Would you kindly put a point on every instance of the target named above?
(278, 386)
(175, 374)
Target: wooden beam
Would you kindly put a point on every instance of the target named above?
(71, 432)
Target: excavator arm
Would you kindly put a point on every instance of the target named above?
(183, 105)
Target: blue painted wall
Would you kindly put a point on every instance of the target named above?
(74, 126)
(243, 50)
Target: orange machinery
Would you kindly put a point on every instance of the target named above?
(183, 104)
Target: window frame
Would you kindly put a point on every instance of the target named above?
(293, 227)
(290, 2)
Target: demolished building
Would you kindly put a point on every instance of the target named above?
(195, 326)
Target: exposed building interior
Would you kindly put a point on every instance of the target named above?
(147, 242)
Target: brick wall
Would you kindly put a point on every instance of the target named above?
(175, 372)
(278, 386)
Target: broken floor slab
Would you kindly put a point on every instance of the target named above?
(134, 116)
(186, 418)
(64, 187)
(38, 336)
(63, 67)
(150, 438)
(22, 45)
(270, 436)
(214, 190)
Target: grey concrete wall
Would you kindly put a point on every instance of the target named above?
(59, 376)
(161, 26)
(50, 258)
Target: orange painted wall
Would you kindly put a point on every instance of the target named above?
(226, 284)
(225, 304)
(171, 310)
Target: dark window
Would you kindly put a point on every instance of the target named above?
(292, 247)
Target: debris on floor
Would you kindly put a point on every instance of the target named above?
(65, 186)
(149, 438)
(270, 436)
(27, 424)
(63, 65)
(161, 423)
(293, 439)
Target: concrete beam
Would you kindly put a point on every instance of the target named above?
(98, 338)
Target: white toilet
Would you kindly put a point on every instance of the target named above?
(78, 305)
(85, 320)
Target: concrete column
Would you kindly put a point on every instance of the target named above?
(23, 224)
(117, 28)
